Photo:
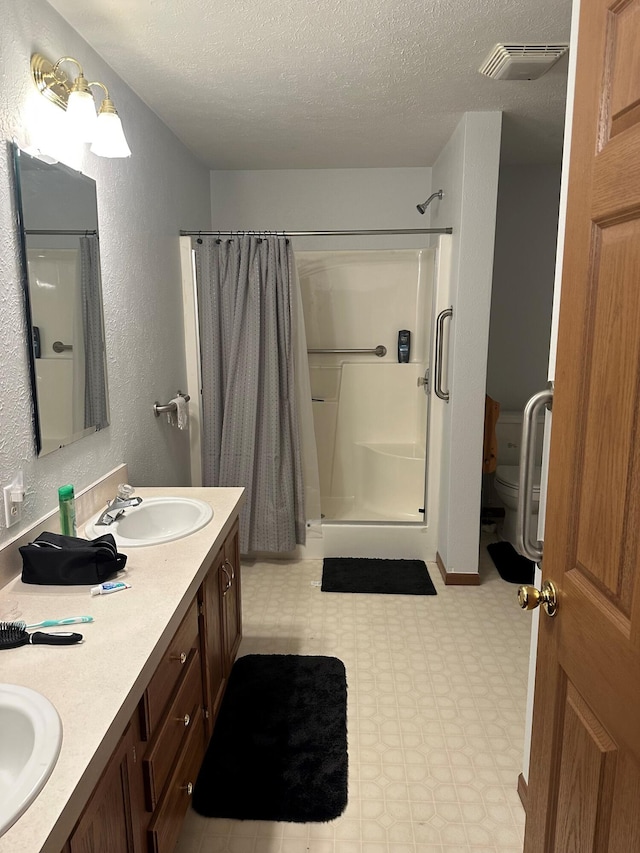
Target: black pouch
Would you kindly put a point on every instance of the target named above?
(66, 560)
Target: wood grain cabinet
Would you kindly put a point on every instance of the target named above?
(144, 793)
(231, 605)
(107, 823)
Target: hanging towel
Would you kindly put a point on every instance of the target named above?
(182, 412)
(490, 445)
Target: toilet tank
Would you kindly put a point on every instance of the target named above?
(509, 436)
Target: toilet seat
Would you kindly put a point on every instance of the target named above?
(509, 475)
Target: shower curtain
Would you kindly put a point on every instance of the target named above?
(95, 387)
(251, 344)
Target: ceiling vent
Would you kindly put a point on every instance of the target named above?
(521, 61)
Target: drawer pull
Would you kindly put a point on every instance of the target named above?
(182, 657)
(188, 788)
(185, 720)
(228, 562)
(229, 581)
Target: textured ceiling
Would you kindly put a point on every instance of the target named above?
(293, 84)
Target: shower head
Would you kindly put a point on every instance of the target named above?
(425, 204)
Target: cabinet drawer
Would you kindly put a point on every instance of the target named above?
(166, 823)
(173, 731)
(169, 670)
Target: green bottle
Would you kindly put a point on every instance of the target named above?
(66, 499)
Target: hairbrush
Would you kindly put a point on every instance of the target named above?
(13, 634)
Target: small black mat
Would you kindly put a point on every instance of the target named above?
(513, 567)
(279, 747)
(360, 574)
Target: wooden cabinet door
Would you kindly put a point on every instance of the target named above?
(231, 602)
(106, 824)
(210, 606)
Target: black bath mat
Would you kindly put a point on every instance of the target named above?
(279, 747)
(360, 574)
(513, 567)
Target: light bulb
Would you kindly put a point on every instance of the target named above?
(109, 139)
(81, 115)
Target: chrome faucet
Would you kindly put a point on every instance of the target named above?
(117, 506)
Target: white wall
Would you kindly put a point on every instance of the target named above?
(467, 171)
(142, 204)
(326, 200)
(523, 272)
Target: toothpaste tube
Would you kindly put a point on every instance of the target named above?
(109, 586)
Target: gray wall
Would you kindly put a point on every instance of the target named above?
(324, 199)
(523, 273)
(142, 203)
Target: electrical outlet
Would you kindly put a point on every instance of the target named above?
(13, 500)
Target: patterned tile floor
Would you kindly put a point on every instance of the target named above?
(437, 691)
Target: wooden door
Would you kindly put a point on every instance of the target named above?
(231, 600)
(584, 783)
(210, 597)
(106, 825)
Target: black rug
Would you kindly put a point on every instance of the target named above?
(279, 747)
(513, 567)
(360, 574)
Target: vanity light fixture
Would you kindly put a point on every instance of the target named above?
(103, 130)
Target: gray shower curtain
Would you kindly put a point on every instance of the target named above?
(96, 413)
(250, 423)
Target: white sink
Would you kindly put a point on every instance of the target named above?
(30, 741)
(154, 521)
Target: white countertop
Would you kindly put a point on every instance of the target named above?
(96, 685)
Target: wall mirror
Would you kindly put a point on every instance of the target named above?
(58, 219)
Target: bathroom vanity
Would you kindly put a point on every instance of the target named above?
(139, 697)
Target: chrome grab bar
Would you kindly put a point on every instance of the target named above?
(159, 408)
(437, 386)
(527, 546)
(380, 351)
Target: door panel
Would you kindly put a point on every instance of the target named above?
(587, 776)
(611, 409)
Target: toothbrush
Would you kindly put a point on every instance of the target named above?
(51, 623)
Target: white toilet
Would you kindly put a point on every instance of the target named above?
(506, 482)
(506, 485)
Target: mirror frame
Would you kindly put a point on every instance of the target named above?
(23, 275)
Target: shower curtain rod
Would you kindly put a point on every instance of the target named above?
(317, 233)
(65, 231)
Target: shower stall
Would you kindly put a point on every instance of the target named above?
(378, 426)
(369, 412)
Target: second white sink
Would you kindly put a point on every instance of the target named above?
(154, 521)
(30, 740)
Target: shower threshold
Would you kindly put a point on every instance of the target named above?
(347, 510)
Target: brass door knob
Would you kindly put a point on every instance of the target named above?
(529, 597)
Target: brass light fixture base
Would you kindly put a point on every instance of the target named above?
(54, 89)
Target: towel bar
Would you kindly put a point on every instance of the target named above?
(160, 409)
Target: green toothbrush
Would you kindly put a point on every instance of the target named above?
(51, 623)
